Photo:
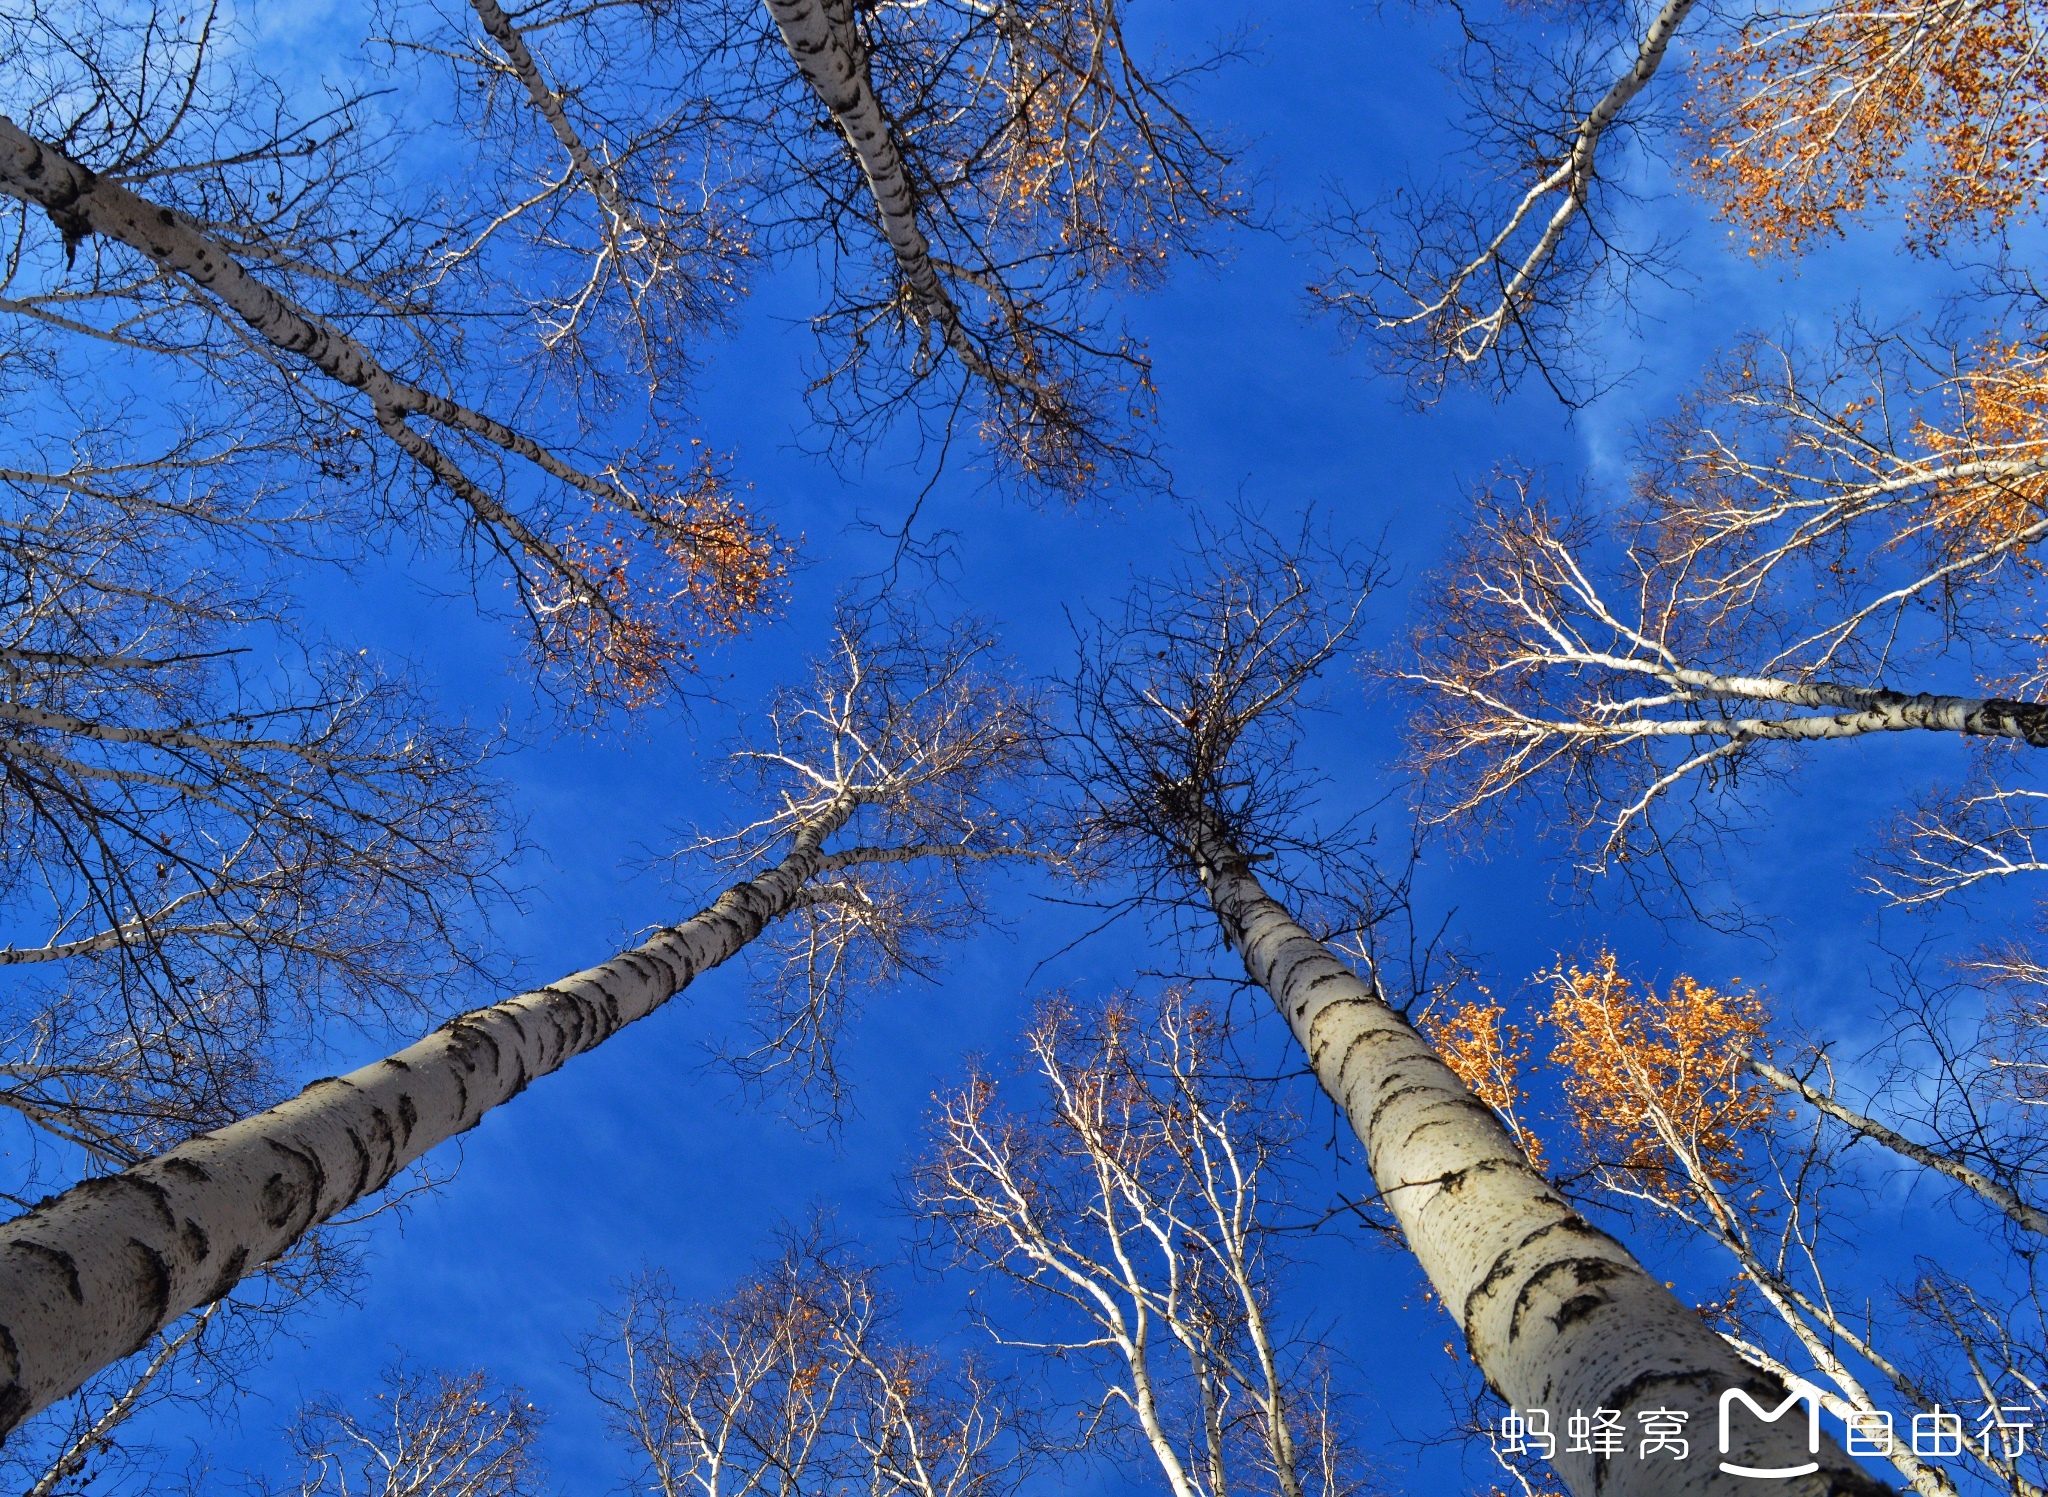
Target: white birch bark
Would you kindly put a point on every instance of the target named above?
(823, 42)
(2030, 1217)
(1475, 337)
(1556, 1313)
(82, 203)
(1860, 709)
(91, 1275)
(551, 107)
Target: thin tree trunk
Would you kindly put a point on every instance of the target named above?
(1557, 1314)
(2032, 1218)
(1865, 709)
(87, 1277)
(823, 42)
(553, 108)
(81, 203)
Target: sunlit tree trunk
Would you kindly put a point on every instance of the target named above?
(91, 1275)
(1557, 1314)
(894, 749)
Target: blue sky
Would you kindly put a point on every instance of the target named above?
(637, 1155)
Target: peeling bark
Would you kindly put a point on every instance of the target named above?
(1556, 1313)
(89, 1276)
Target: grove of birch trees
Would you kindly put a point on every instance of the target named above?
(1271, 753)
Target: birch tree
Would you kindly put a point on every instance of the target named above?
(1818, 547)
(205, 856)
(906, 747)
(1138, 1210)
(999, 193)
(178, 214)
(469, 350)
(1674, 1113)
(220, 843)
(1809, 118)
(432, 1434)
(1507, 277)
(91, 1442)
(990, 175)
(795, 1384)
(1793, 121)
(1179, 706)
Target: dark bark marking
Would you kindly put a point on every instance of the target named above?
(408, 1114)
(153, 1279)
(192, 1237)
(281, 1196)
(10, 1350)
(395, 1063)
(1576, 1309)
(60, 1260)
(280, 1201)
(1286, 982)
(175, 1165)
(230, 1275)
(1379, 1108)
(122, 1185)
(1504, 1265)
(1631, 1392)
(2023, 720)
(469, 1037)
(1454, 1181)
(309, 1161)
(1377, 1035)
(1585, 1272)
(386, 1138)
(355, 1141)
(155, 1194)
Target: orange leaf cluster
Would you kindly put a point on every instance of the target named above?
(1805, 120)
(644, 605)
(1070, 152)
(1488, 1054)
(1645, 1073)
(2001, 415)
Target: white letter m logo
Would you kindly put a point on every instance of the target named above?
(1801, 1393)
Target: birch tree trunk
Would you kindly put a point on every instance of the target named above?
(1557, 1314)
(825, 45)
(2032, 1218)
(88, 1277)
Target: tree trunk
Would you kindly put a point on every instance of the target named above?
(823, 41)
(1556, 1313)
(2031, 1217)
(87, 1277)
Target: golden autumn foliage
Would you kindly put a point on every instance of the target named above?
(1122, 198)
(700, 573)
(1646, 1075)
(1803, 120)
(2001, 416)
(1488, 1054)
